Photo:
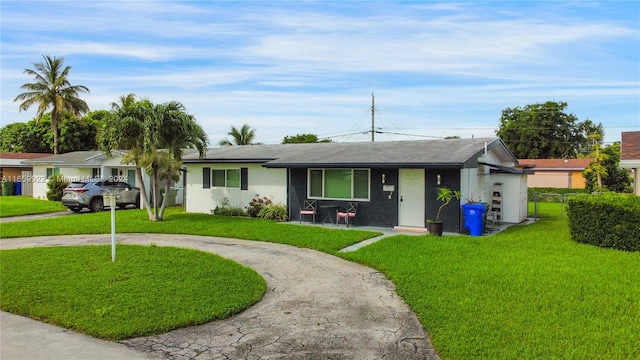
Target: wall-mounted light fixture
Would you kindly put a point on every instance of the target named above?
(438, 179)
(384, 178)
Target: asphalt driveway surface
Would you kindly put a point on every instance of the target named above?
(317, 306)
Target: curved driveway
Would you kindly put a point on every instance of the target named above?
(317, 306)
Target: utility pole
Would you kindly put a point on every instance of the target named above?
(373, 110)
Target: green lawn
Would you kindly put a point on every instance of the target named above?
(326, 239)
(148, 290)
(22, 205)
(528, 292)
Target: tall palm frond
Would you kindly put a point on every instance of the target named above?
(244, 136)
(52, 90)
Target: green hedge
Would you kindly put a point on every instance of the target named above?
(607, 220)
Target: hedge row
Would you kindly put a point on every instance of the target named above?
(606, 220)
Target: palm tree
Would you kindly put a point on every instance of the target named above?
(244, 136)
(52, 89)
(156, 136)
(178, 131)
(126, 129)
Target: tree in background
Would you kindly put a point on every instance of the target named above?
(19, 137)
(244, 136)
(613, 178)
(80, 134)
(545, 131)
(303, 139)
(52, 89)
(36, 136)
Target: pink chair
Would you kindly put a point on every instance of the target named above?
(352, 209)
(308, 209)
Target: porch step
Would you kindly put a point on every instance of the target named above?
(410, 229)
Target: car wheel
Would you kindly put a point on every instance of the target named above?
(76, 209)
(96, 205)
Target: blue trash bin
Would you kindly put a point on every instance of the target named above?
(17, 188)
(474, 218)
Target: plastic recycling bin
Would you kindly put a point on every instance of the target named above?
(7, 188)
(17, 188)
(474, 218)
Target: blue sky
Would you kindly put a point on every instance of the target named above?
(285, 68)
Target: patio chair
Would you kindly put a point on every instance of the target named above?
(352, 210)
(309, 208)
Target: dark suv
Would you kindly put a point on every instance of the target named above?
(88, 194)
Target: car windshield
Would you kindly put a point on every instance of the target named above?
(76, 185)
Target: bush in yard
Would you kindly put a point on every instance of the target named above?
(606, 220)
(274, 212)
(256, 204)
(225, 209)
(55, 186)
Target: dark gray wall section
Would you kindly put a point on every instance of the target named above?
(380, 210)
(451, 214)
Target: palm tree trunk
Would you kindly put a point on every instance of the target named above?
(54, 129)
(156, 192)
(143, 193)
(167, 188)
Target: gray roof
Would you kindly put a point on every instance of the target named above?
(75, 158)
(422, 153)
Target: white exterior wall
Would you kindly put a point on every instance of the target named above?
(469, 185)
(40, 178)
(634, 166)
(514, 197)
(477, 186)
(262, 182)
(40, 182)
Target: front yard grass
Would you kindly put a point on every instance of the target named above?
(528, 292)
(22, 205)
(148, 290)
(326, 239)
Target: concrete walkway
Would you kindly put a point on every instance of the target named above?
(317, 306)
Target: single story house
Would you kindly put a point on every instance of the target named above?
(12, 169)
(394, 182)
(630, 156)
(85, 165)
(556, 173)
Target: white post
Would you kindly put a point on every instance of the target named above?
(112, 205)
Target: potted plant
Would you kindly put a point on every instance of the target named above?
(445, 195)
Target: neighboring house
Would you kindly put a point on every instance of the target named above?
(394, 182)
(556, 173)
(85, 165)
(630, 157)
(12, 169)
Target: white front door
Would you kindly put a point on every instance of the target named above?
(411, 198)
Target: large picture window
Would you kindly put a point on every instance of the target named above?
(342, 184)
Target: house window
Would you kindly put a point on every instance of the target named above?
(339, 184)
(206, 178)
(95, 173)
(52, 171)
(229, 178)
